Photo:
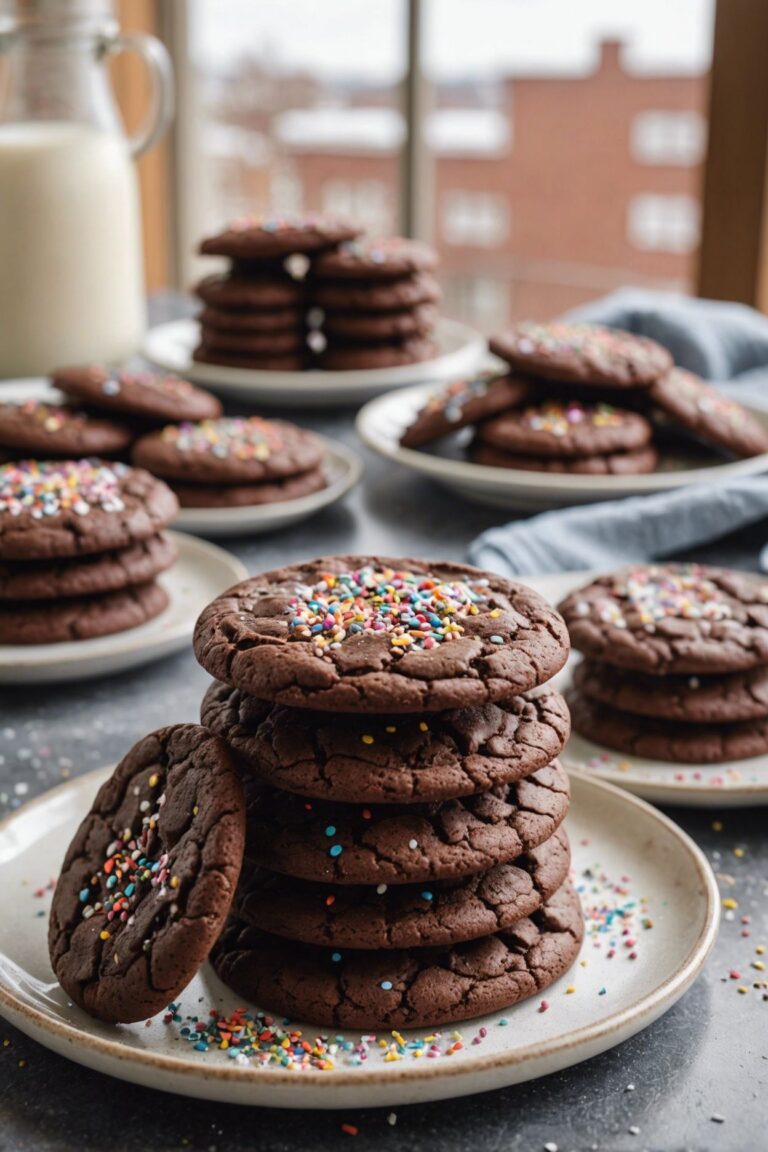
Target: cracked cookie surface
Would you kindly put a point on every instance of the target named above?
(389, 759)
(381, 635)
(149, 877)
(404, 916)
(403, 844)
(672, 618)
(422, 987)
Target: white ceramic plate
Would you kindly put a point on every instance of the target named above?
(201, 572)
(170, 346)
(626, 855)
(733, 784)
(343, 469)
(382, 421)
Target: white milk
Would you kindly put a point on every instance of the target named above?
(71, 277)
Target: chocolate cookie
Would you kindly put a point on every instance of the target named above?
(708, 414)
(151, 396)
(423, 987)
(359, 357)
(275, 320)
(246, 495)
(680, 743)
(404, 916)
(267, 237)
(34, 428)
(292, 341)
(395, 759)
(231, 450)
(642, 461)
(377, 295)
(380, 258)
(232, 291)
(51, 509)
(417, 321)
(582, 353)
(671, 618)
(55, 622)
(89, 575)
(381, 635)
(148, 879)
(694, 699)
(464, 402)
(403, 844)
(285, 362)
(566, 430)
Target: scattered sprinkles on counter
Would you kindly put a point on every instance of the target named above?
(48, 487)
(415, 610)
(559, 419)
(238, 437)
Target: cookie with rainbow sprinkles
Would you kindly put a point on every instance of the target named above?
(380, 635)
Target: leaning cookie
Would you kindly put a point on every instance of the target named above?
(36, 428)
(149, 877)
(381, 635)
(423, 987)
(230, 450)
(149, 396)
(672, 618)
(582, 354)
(51, 509)
(389, 759)
(706, 413)
(403, 916)
(464, 402)
(680, 743)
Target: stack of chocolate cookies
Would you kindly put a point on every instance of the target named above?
(405, 858)
(234, 461)
(81, 545)
(378, 299)
(675, 662)
(255, 313)
(587, 400)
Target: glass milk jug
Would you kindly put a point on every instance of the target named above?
(71, 269)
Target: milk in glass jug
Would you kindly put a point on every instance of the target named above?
(71, 270)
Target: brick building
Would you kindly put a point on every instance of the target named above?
(548, 190)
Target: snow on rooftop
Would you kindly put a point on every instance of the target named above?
(462, 131)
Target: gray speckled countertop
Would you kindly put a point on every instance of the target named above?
(708, 1056)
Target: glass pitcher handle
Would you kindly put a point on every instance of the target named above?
(161, 104)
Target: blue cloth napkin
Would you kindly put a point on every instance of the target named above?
(721, 341)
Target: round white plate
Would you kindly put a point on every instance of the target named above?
(627, 856)
(381, 423)
(343, 469)
(170, 347)
(733, 784)
(201, 572)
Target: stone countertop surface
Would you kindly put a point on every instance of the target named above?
(707, 1057)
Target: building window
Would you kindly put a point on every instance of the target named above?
(658, 223)
(367, 202)
(474, 219)
(668, 138)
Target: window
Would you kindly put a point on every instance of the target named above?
(475, 219)
(663, 223)
(668, 138)
(370, 202)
